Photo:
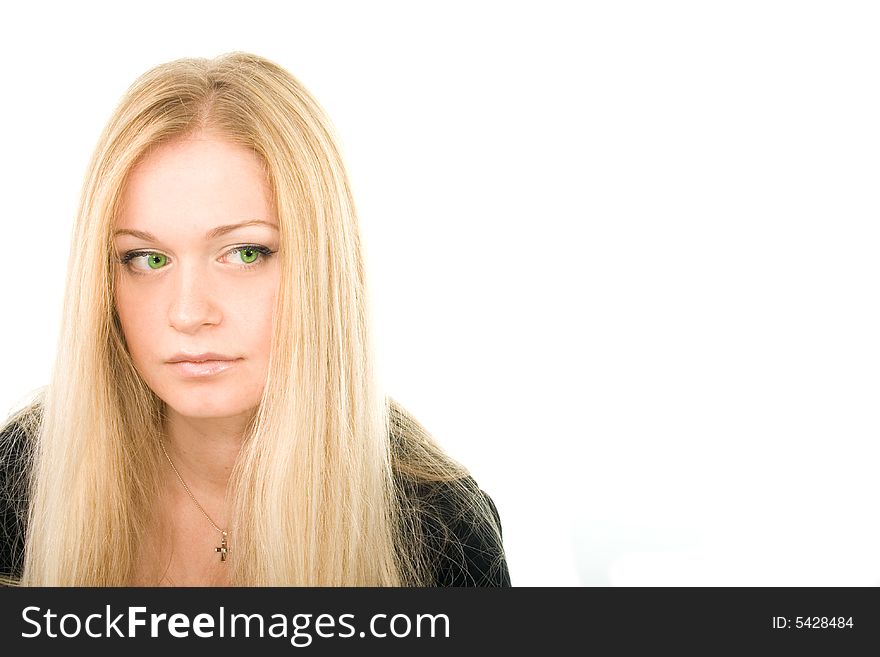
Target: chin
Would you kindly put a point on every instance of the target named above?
(206, 412)
(207, 404)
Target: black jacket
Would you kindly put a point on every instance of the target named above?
(463, 550)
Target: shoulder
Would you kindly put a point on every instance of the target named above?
(16, 447)
(14, 474)
(15, 452)
(462, 533)
(454, 524)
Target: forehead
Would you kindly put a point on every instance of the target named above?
(196, 182)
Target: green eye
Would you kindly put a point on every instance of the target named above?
(249, 255)
(156, 260)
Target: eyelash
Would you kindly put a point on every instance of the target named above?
(264, 251)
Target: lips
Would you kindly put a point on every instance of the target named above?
(199, 366)
(198, 358)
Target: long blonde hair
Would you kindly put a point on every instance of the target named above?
(324, 491)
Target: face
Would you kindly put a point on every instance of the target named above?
(197, 276)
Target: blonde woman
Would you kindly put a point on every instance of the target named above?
(213, 417)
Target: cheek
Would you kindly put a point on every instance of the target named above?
(136, 321)
(263, 309)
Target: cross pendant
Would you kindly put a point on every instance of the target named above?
(222, 549)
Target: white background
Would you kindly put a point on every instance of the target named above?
(622, 254)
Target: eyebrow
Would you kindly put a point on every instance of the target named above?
(211, 234)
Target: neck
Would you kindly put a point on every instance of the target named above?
(204, 451)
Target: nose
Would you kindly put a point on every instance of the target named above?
(192, 304)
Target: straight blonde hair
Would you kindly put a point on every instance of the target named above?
(325, 490)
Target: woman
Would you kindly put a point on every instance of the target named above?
(213, 417)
